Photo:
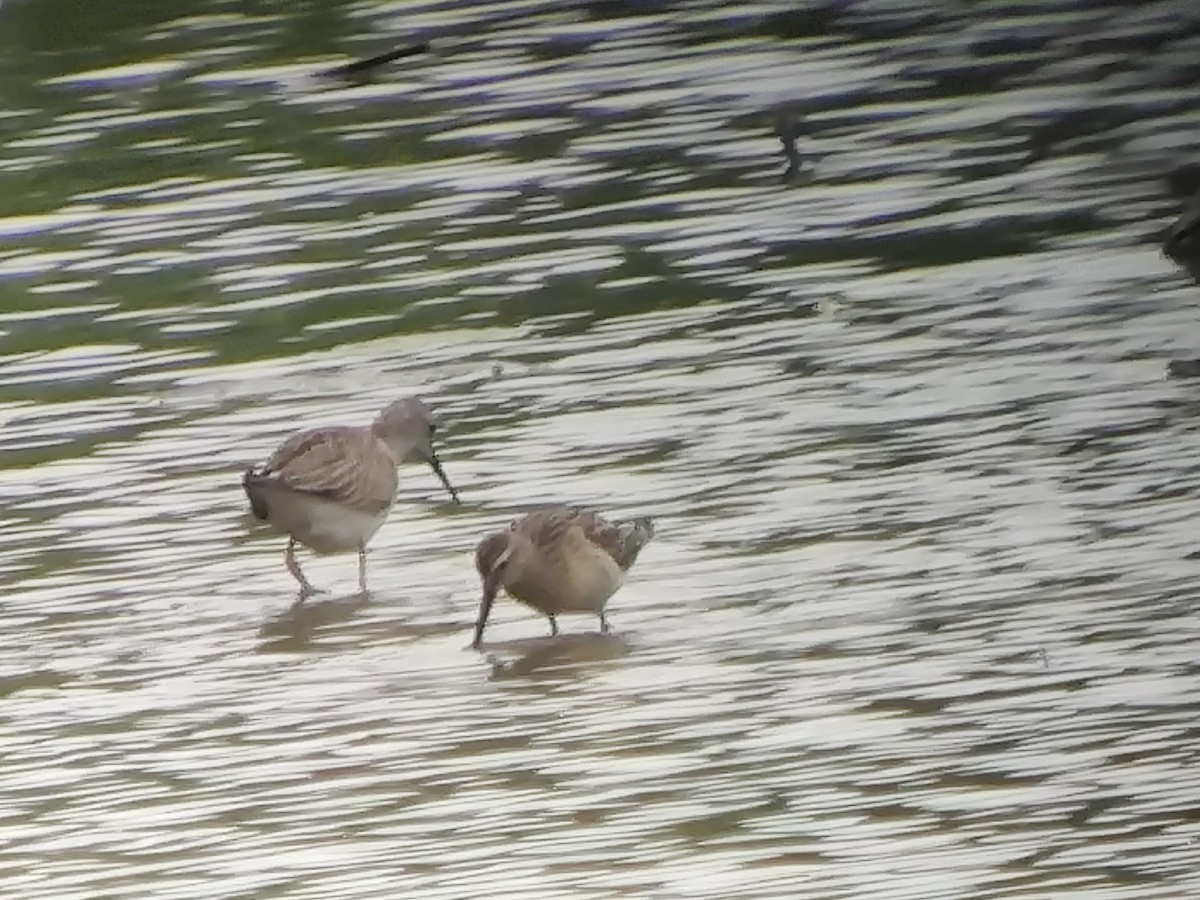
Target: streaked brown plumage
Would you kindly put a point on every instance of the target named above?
(559, 560)
(332, 488)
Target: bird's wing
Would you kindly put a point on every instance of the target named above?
(620, 540)
(345, 465)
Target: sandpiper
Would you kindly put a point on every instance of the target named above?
(559, 560)
(331, 488)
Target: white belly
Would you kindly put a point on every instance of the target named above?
(320, 524)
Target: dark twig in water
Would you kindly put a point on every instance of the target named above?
(361, 70)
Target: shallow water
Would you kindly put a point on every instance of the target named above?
(920, 618)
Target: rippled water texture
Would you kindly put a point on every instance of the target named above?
(920, 619)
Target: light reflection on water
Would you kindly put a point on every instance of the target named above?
(919, 618)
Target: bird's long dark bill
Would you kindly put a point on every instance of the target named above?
(490, 586)
(440, 473)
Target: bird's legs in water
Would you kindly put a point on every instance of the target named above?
(294, 567)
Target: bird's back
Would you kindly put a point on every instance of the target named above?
(547, 530)
(345, 465)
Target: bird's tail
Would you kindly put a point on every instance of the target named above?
(635, 534)
(252, 484)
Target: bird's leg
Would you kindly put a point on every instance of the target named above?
(603, 623)
(362, 569)
(553, 626)
(294, 568)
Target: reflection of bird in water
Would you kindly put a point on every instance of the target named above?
(535, 655)
(559, 560)
(1182, 243)
(331, 488)
(789, 125)
(361, 71)
(293, 629)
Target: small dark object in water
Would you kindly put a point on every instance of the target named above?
(1184, 368)
(360, 71)
(1182, 243)
(788, 126)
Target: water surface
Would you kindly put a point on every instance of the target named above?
(920, 617)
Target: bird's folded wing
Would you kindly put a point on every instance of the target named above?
(345, 465)
(621, 540)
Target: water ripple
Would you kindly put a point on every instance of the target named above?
(919, 615)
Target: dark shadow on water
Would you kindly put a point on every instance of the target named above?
(528, 656)
(35, 679)
(1184, 368)
(298, 628)
(292, 630)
